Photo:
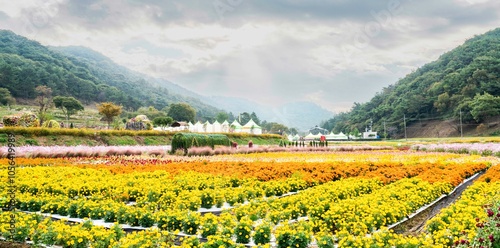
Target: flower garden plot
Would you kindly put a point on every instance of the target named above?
(168, 193)
(485, 149)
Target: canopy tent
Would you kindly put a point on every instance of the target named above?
(235, 127)
(207, 127)
(225, 127)
(339, 136)
(216, 127)
(252, 127)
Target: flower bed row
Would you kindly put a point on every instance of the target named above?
(484, 149)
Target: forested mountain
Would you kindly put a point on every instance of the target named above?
(82, 73)
(465, 80)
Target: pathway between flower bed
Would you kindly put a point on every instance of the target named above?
(416, 222)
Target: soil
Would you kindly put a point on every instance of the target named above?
(450, 128)
(5, 244)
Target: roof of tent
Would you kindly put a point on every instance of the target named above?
(236, 123)
(251, 124)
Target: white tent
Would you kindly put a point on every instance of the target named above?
(310, 136)
(216, 127)
(190, 127)
(339, 136)
(207, 127)
(235, 127)
(225, 127)
(198, 127)
(252, 127)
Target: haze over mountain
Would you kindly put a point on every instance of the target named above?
(93, 77)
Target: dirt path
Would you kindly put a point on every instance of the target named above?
(416, 224)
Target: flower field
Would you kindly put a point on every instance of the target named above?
(283, 199)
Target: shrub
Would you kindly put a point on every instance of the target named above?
(187, 140)
(243, 230)
(262, 234)
(51, 124)
(210, 225)
(26, 119)
(190, 223)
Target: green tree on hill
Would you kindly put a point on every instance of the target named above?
(483, 106)
(163, 121)
(182, 112)
(68, 105)
(222, 116)
(6, 98)
(109, 110)
(44, 101)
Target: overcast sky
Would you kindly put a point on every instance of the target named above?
(332, 52)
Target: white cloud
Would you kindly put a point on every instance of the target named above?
(271, 54)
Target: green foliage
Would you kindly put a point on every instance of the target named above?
(163, 121)
(51, 124)
(437, 90)
(186, 140)
(109, 110)
(81, 73)
(483, 106)
(26, 119)
(6, 98)
(262, 234)
(68, 105)
(222, 116)
(182, 112)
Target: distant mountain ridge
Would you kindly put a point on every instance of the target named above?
(82, 73)
(463, 83)
(92, 77)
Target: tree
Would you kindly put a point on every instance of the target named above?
(182, 112)
(243, 118)
(6, 98)
(109, 110)
(222, 116)
(483, 106)
(254, 117)
(68, 105)
(163, 121)
(43, 100)
(293, 131)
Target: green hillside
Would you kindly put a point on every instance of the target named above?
(81, 73)
(465, 80)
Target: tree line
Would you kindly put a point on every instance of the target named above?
(464, 82)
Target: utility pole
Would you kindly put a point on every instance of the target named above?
(404, 120)
(385, 132)
(461, 130)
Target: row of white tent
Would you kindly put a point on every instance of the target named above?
(235, 127)
(330, 136)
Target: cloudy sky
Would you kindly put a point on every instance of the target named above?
(331, 52)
